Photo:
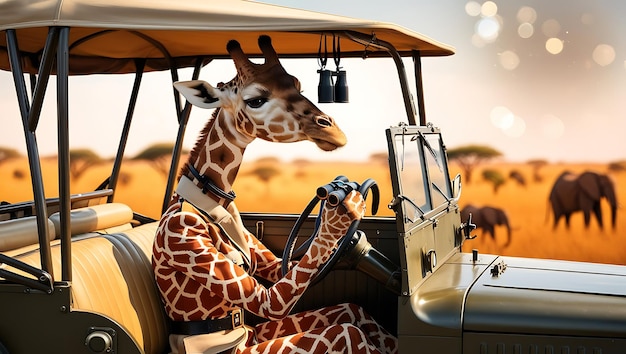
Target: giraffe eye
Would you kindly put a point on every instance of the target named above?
(256, 102)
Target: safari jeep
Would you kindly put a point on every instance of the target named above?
(75, 268)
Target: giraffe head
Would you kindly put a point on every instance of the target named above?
(265, 102)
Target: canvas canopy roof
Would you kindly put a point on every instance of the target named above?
(107, 35)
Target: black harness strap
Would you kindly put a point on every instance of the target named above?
(209, 186)
(232, 321)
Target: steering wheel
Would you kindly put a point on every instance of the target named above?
(332, 193)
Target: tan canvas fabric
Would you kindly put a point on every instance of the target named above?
(121, 30)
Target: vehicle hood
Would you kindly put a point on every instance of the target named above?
(534, 296)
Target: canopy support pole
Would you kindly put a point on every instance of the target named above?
(15, 60)
(419, 86)
(115, 173)
(183, 118)
(64, 151)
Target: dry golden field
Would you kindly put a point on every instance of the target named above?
(294, 184)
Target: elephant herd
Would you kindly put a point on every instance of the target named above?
(570, 193)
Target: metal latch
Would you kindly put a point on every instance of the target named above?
(467, 228)
(498, 269)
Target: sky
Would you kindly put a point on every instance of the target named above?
(532, 79)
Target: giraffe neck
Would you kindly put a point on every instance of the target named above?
(218, 153)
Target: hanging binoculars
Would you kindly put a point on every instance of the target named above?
(327, 91)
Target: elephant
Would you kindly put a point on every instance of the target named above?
(571, 193)
(486, 218)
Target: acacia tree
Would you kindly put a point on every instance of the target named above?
(470, 156)
(158, 156)
(81, 160)
(265, 173)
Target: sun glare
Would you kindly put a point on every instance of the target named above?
(488, 29)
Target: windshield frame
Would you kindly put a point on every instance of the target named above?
(414, 144)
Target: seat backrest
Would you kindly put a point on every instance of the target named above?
(17, 233)
(103, 218)
(112, 276)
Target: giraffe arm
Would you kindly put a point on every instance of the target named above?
(268, 265)
(189, 247)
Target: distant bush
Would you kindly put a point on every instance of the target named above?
(494, 177)
(617, 166)
(8, 153)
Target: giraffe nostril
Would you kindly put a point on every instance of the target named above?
(323, 121)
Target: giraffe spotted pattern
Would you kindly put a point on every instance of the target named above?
(198, 281)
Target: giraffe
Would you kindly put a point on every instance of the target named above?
(205, 260)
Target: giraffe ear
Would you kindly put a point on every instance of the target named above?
(199, 93)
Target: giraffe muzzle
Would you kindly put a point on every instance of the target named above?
(326, 134)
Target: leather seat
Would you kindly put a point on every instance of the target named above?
(112, 275)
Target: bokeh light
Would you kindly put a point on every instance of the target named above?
(603, 55)
(552, 127)
(477, 41)
(517, 128)
(488, 28)
(551, 28)
(587, 19)
(501, 117)
(489, 9)
(525, 30)
(509, 60)
(472, 8)
(554, 46)
(526, 14)
(510, 124)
